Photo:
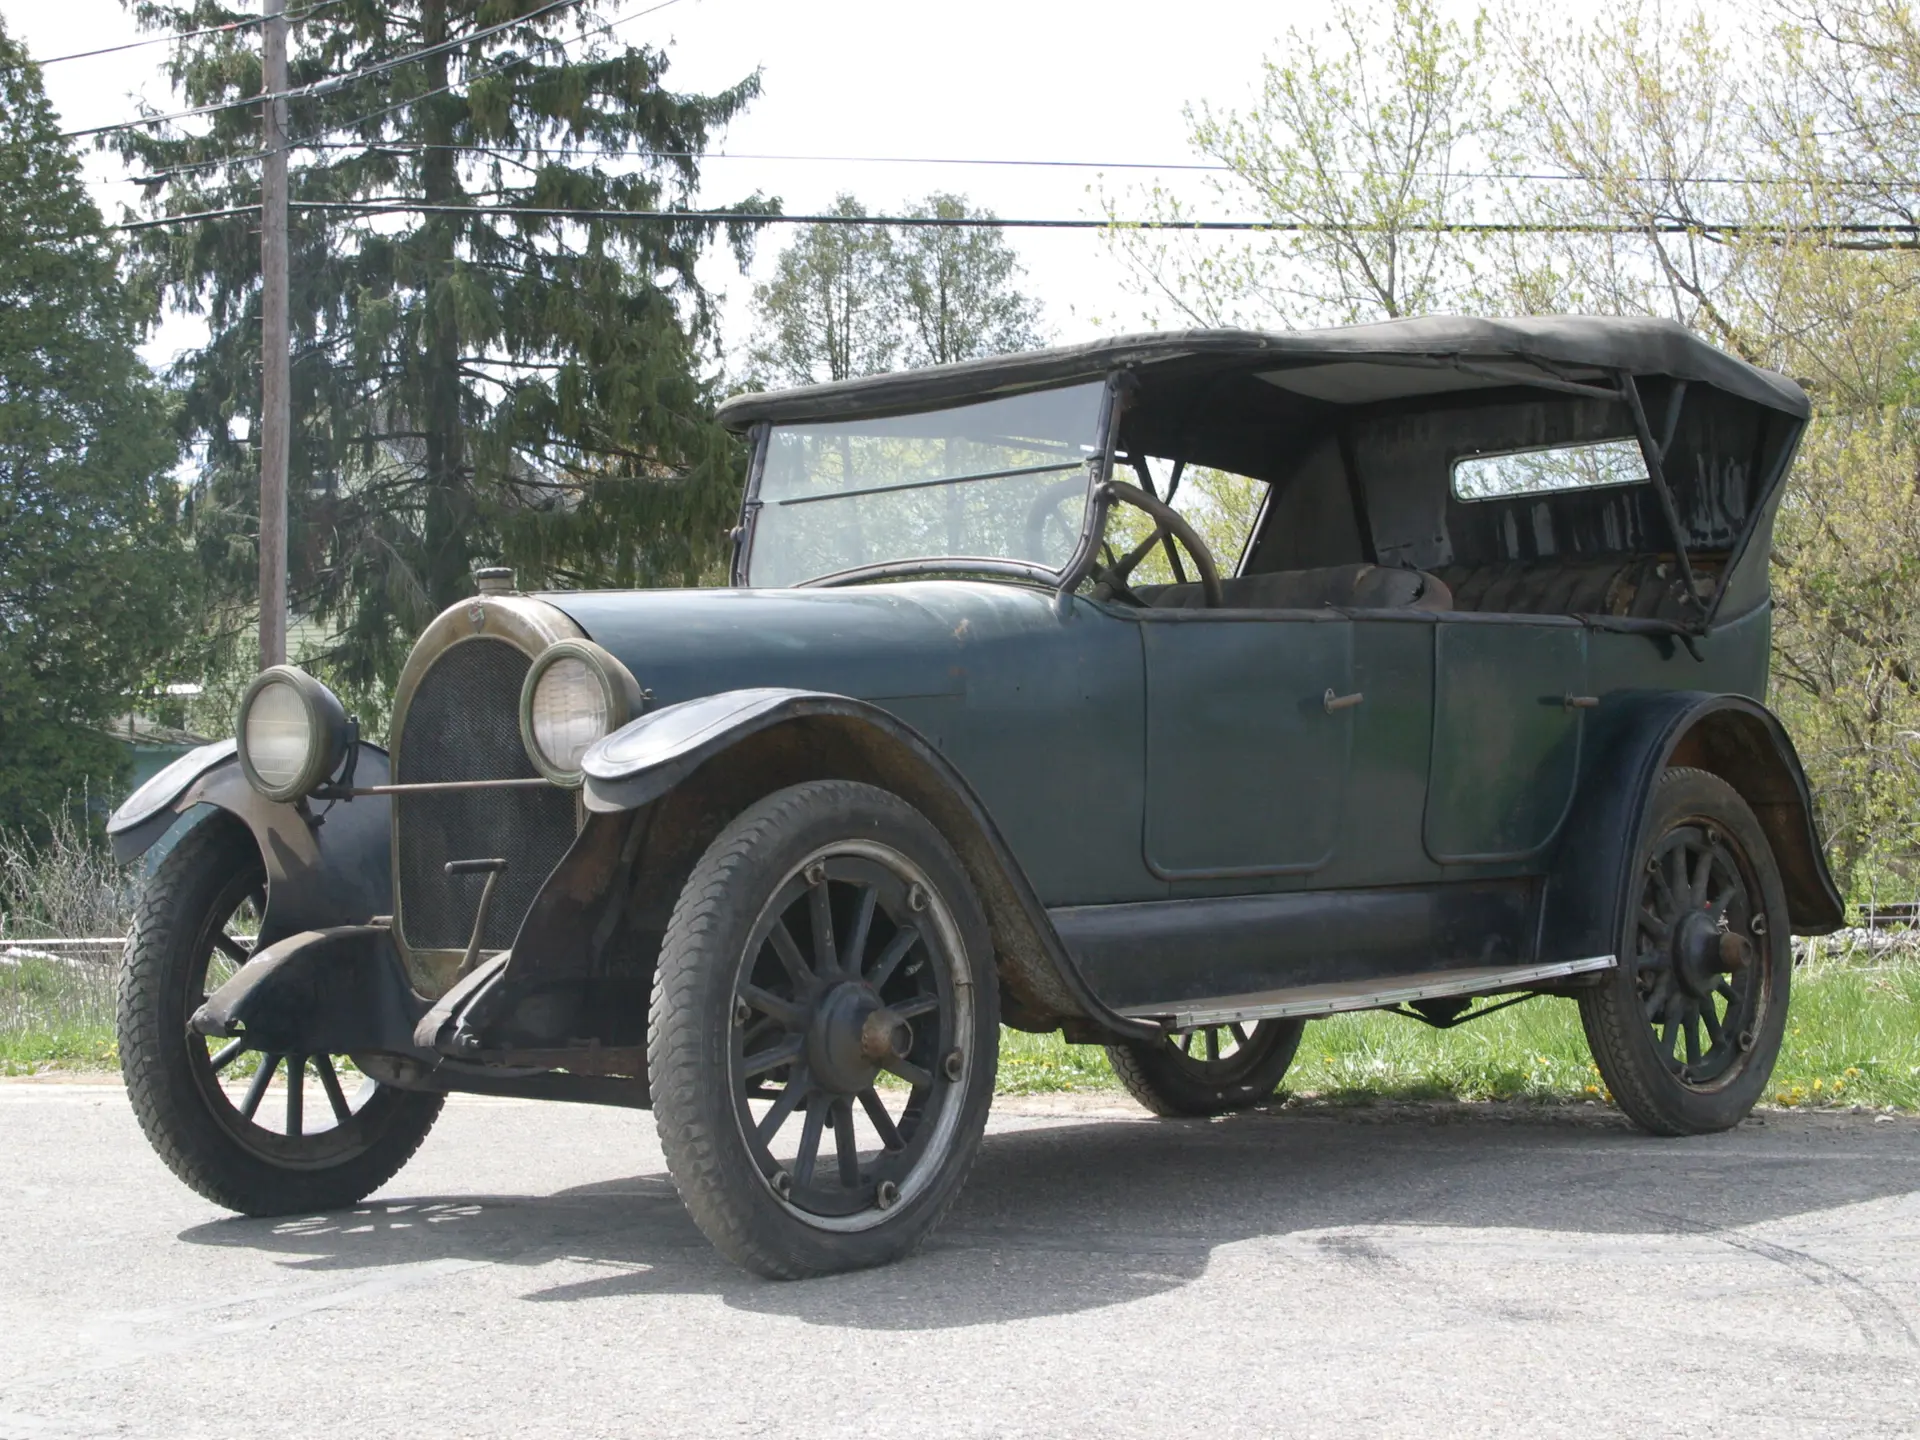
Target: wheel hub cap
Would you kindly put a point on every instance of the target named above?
(1703, 951)
(1696, 953)
(852, 1036)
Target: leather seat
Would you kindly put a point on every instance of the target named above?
(1348, 587)
(1643, 586)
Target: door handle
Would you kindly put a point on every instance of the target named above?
(1580, 702)
(1334, 702)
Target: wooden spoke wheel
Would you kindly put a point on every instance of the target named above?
(260, 1132)
(1209, 1069)
(1686, 1031)
(824, 1033)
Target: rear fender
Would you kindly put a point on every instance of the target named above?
(1637, 736)
(328, 864)
(684, 771)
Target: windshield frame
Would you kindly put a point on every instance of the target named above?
(1098, 467)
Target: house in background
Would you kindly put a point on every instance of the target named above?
(151, 746)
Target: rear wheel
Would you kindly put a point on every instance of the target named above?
(264, 1134)
(1686, 1030)
(1210, 1069)
(824, 1032)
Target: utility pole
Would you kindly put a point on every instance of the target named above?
(275, 340)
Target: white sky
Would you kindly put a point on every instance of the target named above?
(1001, 79)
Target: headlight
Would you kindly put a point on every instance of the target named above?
(576, 693)
(292, 733)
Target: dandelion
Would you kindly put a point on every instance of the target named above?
(1816, 1084)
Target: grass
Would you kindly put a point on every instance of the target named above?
(1853, 1038)
(56, 1002)
(54, 1013)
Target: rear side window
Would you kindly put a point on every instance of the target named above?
(1546, 471)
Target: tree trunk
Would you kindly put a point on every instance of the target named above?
(449, 495)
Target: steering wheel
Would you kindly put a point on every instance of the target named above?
(1045, 511)
(1111, 579)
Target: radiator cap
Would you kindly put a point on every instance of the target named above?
(494, 580)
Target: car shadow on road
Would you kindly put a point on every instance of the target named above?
(1062, 1217)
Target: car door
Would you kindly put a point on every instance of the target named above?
(1508, 718)
(1249, 729)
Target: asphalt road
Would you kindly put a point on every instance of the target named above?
(1399, 1272)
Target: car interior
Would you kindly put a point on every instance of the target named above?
(1366, 506)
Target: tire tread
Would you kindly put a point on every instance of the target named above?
(170, 1111)
(1616, 1027)
(681, 997)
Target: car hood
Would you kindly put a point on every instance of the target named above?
(873, 642)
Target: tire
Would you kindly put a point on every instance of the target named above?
(1240, 1067)
(219, 1145)
(1685, 1031)
(766, 995)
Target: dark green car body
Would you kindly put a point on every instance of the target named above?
(1404, 762)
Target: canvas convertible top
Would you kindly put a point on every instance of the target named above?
(1353, 364)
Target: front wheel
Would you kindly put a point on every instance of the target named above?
(1686, 1029)
(824, 1032)
(261, 1133)
(1210, 1069)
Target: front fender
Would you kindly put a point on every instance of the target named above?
(1639, 735)
(327, 864)
(320, 992)
(646, 759)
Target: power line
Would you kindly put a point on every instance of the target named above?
(334, 82)
(184, 35)
(156, 40)
(1730, 230)
(512, 152)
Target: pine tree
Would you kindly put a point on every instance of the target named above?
(88, 568)
(469, 384)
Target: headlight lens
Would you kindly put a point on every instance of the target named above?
(570, 712)
(292, 733)
(278, 734)
(575, 694)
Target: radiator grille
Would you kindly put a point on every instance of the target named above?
(463, 723)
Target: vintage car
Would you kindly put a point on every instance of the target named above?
(1476, 710)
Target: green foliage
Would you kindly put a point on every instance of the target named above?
(824, 314)
(957, 287)
(88, 569)
(854, 299)
(1353, 149)
(468, 386)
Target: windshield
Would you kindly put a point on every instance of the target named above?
(1002, 480)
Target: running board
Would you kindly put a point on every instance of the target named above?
(1364, 994)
